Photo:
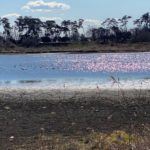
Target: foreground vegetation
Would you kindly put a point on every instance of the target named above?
(116, 140)
(32, 33)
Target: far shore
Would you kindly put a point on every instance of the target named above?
(78, 48)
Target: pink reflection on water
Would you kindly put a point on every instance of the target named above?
(125, 62)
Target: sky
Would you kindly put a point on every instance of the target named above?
(93, 11)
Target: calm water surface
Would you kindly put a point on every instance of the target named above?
(74, 68)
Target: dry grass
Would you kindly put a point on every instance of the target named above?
(117, 140)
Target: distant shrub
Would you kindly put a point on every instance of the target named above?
(29, 42)
(142, 36)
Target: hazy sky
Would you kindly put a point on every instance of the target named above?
(91, 10)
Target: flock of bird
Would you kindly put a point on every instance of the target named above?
(125, 62)
(46, 66)
(118, 62)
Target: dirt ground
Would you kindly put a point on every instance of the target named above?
(21, 120)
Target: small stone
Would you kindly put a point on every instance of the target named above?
(7, 108)
(73, 123)
(53, 113)
(82, 107)
(11, 138)
(44, 107)
(135, 115)
(109, 117)
(96, 110)
(42, 130)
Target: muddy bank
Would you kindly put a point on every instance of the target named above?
(26, 111)
(69, 117)
(27, 119)
(28, 114)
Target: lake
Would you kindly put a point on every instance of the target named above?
(76, 70)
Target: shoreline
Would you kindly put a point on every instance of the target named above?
(26, 95)
(79, 48)
(76, 52)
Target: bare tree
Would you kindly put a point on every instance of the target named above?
(124, 21)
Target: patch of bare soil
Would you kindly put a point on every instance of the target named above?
(19, 121)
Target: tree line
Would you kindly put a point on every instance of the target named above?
(29, 31)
